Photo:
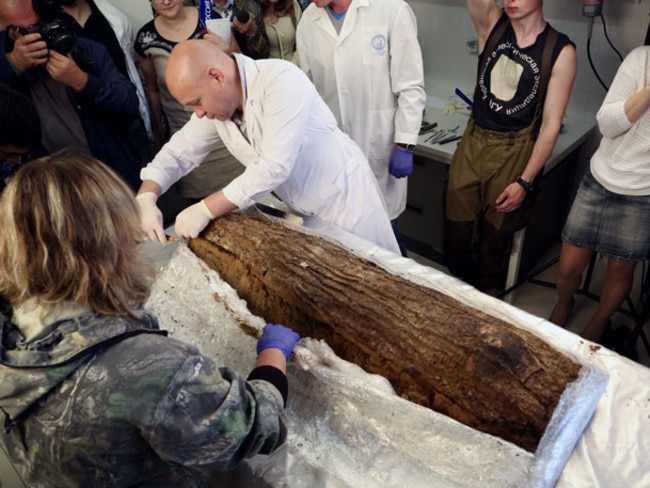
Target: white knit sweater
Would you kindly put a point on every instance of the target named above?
(622, 162)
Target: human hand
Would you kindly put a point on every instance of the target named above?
(217, 41)
(278, 337)
(29, 50)
(151, 219)
(510, 199)
(64, 70)
(400, 163)
(191, 221)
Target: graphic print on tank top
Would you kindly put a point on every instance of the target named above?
(514, 78)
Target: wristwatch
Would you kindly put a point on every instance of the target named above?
(406, 147)
(526, 185)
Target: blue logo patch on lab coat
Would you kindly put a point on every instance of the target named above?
(378, 44)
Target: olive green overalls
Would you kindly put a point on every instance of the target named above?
(477, 237)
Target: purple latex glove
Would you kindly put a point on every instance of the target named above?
(401, 163)
(278, 337)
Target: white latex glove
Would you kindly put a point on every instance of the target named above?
(151, 219)
(191, 221)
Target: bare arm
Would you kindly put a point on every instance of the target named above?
(272, 357)
(150, 186)
(484, 15)
(217, 41)
(557, 98)
(218, 204)
(232, 47)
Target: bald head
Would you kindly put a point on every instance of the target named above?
(203, 77)
(17, 12)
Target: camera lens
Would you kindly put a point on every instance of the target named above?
(58, 37)
(62, 42)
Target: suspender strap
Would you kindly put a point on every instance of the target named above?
(490, 44)
(494, 36)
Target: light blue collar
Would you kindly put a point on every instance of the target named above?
(335, 15)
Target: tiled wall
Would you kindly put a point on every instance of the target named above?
(444, 27)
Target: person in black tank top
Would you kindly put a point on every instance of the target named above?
(525, 74)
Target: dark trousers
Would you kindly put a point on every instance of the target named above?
(477, 237)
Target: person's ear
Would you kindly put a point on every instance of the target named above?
(216, 74)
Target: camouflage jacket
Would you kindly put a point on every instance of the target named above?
(101, 402)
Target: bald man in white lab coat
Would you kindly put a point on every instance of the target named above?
(271, 118)
(365, 60)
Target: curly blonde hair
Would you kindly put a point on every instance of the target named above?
(70, 231)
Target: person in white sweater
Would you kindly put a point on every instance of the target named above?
(611, 210)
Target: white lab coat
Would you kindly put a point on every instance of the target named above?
(292, 145)
(122, 28)
(372, 78)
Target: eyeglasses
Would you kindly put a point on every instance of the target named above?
(160, 2)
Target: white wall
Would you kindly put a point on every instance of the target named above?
(444, 27)
(139, 11)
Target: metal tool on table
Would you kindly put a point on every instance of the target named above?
(451, 139)
(427, 127)
(435, 136)
(441, 135)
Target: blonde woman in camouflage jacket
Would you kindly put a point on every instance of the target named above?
(93, 394)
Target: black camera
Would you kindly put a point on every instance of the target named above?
(241, 15)
(57, 33)
(53, 28)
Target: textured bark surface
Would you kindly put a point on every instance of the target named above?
(435, 350)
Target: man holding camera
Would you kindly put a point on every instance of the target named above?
(82, 100)
(102, 22)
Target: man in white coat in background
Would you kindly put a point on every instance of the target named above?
(271, 118)
(365, 60)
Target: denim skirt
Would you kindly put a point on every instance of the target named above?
(616, 226)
